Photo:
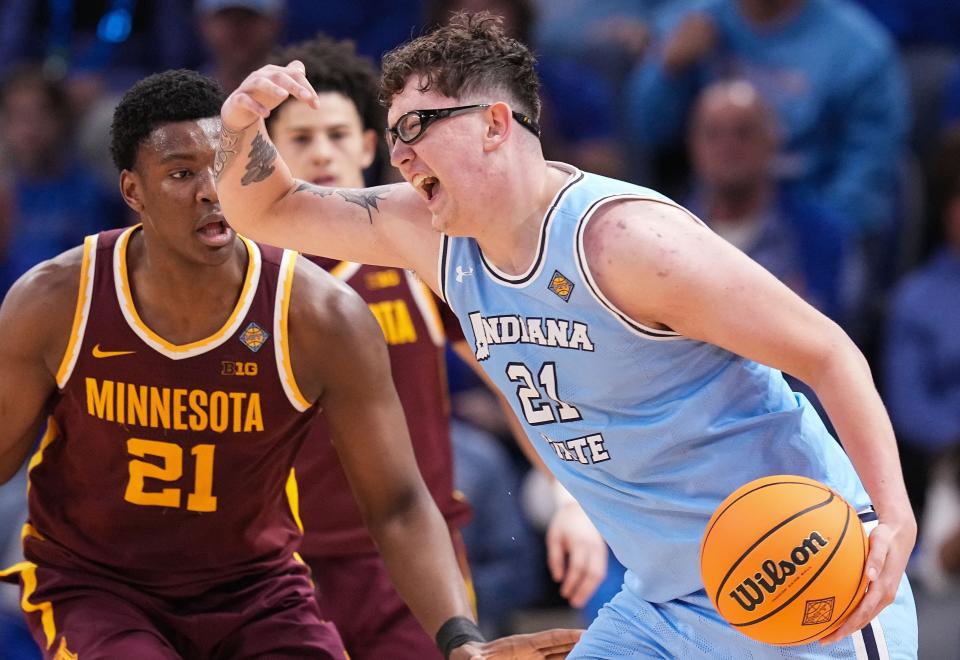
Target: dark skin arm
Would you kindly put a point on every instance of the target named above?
(340, 360)
(35, 322)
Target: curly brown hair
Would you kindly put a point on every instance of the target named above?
(469, 55)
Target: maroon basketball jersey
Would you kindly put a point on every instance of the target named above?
(415, 330)
(164, 465)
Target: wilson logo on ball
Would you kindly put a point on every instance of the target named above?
(773, 574)
(783, 559)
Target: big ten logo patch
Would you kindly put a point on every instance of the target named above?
(231, 368)
(395, 321)
(382, 279)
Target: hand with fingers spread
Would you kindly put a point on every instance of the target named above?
(262, 91)
(552, 644)
(890, 545)
(576, 553)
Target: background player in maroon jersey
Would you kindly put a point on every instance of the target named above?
(331, 146)
(181, 366)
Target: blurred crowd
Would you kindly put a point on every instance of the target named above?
(821, 137)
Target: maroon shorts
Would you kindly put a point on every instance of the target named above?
(77, 615)
(356, 594)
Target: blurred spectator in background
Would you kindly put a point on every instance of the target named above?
(922, 356)
(609, 36)
(827, 68)
(928, 35)
(239, 36)
(96, 45)
(53, 200)
(733, 139)
(578, 120)
(375, 26)
(938, 556)
(950, 110)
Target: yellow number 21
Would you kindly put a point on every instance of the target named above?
(170, 470)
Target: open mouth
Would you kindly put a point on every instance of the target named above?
(427, 184)
(216, 233)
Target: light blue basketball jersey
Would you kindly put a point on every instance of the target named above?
(650, 431)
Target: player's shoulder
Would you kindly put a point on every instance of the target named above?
(50, 285)
(633, 223)
(38, 310)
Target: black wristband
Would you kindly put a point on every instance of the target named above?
(456, 632)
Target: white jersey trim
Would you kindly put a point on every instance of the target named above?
(344, 270)
(637, 328)
(158, 343)
(281, 335)
(81, 312)
(534, 269)
(442, 268)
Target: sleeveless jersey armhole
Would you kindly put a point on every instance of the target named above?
(442, 268)
(280, 332)
(81, 311)
(639, 329)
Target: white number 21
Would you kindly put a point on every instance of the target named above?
(536, 402)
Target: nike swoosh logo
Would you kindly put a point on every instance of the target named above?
(97, 353)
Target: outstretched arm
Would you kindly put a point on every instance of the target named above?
(700, 286)
(35, 320)
(386, 225)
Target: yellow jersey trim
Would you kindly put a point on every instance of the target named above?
(80, 313)
(28, 575)
(281, 344)
(293, 498)
(345, 270)
(49, 435)
(158, 343)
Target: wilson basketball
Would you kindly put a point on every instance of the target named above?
(783, 559)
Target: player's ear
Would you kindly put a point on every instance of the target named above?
(370, 138)
(498, 125)
(131, 190)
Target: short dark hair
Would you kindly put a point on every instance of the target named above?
(471, 53)
(163, 98)
(334, 66)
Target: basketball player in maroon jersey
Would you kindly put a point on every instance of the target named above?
(331, 146)
(179, 367)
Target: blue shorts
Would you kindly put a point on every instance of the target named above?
(690, 628)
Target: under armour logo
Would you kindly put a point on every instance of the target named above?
(461, 273)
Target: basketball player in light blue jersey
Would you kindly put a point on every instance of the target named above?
(643, 353)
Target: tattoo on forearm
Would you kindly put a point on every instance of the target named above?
(260, 163)
(365, 198)
(226, 150)
(314, 190)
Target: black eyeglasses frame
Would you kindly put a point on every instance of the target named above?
(428, 117)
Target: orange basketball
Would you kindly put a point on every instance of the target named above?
(784, 559)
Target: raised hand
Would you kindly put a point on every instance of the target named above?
(262, 91)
